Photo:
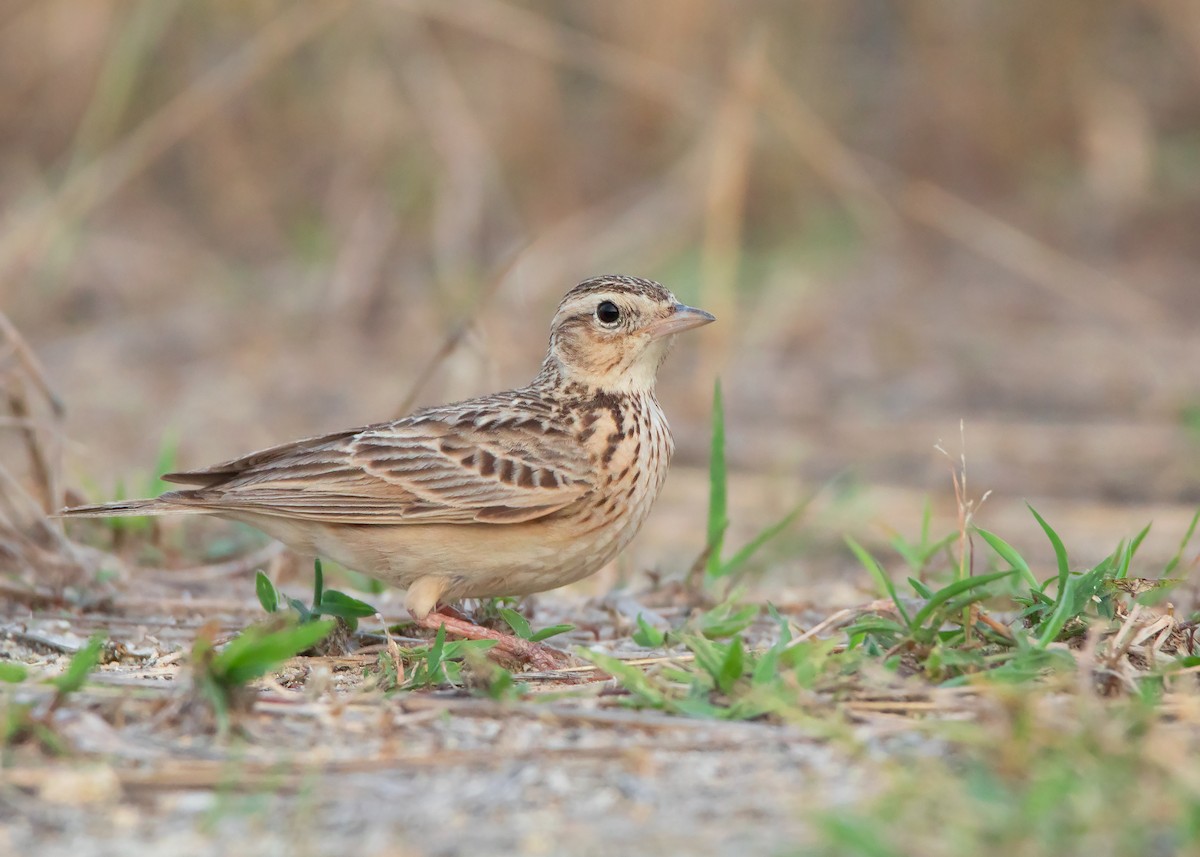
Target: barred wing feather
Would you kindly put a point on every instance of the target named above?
(435, 467)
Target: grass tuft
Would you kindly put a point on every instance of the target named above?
(717, 569)
(33, 722)
(325, 602)
(221, 677)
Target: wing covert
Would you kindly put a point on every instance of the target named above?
(449, 465)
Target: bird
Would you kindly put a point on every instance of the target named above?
(506, 494)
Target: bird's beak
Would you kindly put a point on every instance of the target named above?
(681, 318)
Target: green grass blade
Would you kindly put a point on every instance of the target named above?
(647, 635)
(718, 496)
(433, 660)
(318, 583)
(13, 673)
(725, 620)
(1187, 537)
(918, 556)
(920, 588)
(550, 631)
(1009, 554)
(909, 553)
(767, 667)
(954, 589)
(861, 837)
(785, 627)
(709, 656)
(875, 625)
(1063, 611)
(518, 623)
(1086, 587)
(1131, 551)
(302, 610)
(752, 547)
(255, 652)
(1060, 551)
(732, 667)
(345, 607)
(881, 577)
(267, 596)
(629, 677)
(81, 665)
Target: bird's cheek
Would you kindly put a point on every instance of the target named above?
(570, 352)
(658, 347)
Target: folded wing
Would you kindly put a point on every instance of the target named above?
(447, 465)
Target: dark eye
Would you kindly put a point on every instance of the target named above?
(608, 313)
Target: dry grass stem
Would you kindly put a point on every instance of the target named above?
(93, 184)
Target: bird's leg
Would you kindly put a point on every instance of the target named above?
(508, 647)
(454, 613)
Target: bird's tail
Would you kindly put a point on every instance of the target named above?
(127, 508)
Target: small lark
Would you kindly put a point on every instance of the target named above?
(507, 494)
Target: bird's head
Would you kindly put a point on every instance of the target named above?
(612, 333)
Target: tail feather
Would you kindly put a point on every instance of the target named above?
(126, 508)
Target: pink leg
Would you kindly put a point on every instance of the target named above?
(508, 647)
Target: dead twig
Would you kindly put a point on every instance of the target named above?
(30, 363)
(883, 605)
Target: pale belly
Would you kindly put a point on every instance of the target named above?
(465, 561)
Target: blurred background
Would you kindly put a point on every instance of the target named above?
(231, 224)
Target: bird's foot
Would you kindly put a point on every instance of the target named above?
(508, 648)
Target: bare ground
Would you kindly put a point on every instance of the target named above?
(327, 763)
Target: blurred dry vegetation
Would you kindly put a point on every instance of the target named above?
(237, 223)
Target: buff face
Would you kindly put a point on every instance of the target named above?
(615, 337)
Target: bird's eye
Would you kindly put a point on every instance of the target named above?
(608, 313)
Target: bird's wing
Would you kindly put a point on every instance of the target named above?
(448, 465)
